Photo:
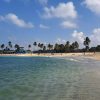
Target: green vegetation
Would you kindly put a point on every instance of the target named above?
(49, 48)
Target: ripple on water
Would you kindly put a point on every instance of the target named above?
(49, 79)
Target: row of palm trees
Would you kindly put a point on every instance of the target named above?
(67, 47)
(41, 46)
(9, 47)
(56, 47)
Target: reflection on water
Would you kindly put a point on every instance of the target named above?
(49, 78)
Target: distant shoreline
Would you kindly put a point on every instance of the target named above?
(90, 55)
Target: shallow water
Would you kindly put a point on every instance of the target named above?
(40, 78)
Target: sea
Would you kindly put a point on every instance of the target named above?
(49, 78)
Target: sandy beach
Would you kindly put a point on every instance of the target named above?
(95, 56)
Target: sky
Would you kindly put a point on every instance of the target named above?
(49, 21)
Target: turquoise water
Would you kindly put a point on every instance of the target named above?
(40, 78)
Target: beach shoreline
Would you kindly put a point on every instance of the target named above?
(95, 56)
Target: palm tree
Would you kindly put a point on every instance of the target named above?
(86, 43)
(44, 48)
(56, 47)
(67, 46)
(50, 46)
(10, 44)
(17, 47)
(72, 47)
(35, 44)
(2, 46)
(76, 45)
(41, 46)
(62, 48)
(29, 46)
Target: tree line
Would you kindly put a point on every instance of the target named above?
(49, 48)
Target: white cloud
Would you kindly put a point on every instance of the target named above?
(15, 20)
(68, 24)
(78, 36)
(95, 37)
(63, 10)
(59, 41)
(43, 26)
(93, 5)
(43, 2)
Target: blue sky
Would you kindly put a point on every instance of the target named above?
(49, 21)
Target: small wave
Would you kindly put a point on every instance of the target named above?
(71, 59)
